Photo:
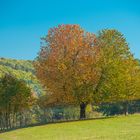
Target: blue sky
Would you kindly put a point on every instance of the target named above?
(23, 22)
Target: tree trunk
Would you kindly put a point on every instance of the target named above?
(6, 120)
(83, 110)
(20, 119)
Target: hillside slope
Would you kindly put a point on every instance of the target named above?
(21, 69)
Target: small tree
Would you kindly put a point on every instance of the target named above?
(15, 97)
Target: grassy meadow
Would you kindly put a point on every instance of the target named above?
(116, 128)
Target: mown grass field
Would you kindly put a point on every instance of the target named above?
(116, 128)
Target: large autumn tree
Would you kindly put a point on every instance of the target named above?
(66, 65)
(78, 67)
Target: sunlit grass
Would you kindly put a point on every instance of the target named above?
(116, 128)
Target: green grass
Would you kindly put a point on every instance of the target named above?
(117, 128)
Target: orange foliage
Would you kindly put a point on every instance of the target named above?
(67, 64)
